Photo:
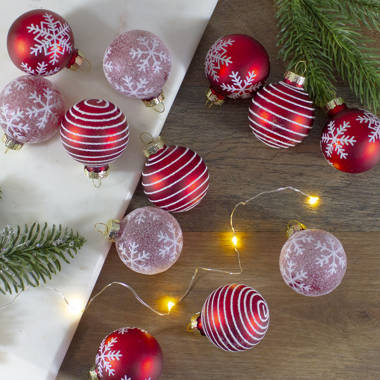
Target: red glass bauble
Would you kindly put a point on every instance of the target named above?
(95, 133)
(282, 114)
(234, 317)
(41, 42)
(236, 66)
(351, 138)
(128, 354)
(175, 178)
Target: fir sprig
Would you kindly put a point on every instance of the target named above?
(33, 254)
(323, 35)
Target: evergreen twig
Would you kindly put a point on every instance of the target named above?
(33, 254)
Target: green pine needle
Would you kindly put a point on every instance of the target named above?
(33, 254)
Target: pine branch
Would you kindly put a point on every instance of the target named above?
(33, 254)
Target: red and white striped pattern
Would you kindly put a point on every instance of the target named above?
(235, 317)
(175, 178)
(94, 132)
(281, 114)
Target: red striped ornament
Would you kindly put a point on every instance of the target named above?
(282, 114)
(94, 132)
(234, 317)
(174, 177)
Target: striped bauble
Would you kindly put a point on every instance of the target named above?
(175, 178)
(235, 317)
(282, 114)
(95, 133)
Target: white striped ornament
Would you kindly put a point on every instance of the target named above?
(235, 317)
(281, 114)
(94, 132)
(175, 178)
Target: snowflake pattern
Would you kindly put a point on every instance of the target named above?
(241, 89)
(140, 215)
(52, 38)
(332, 254)
(217, 56)
(13, 122)
(125, 377)
(16, 85)
(171, 242)
(148, 54)
(106, 356)
(135, 88)
(336, 140)
(296, 244)
(123, 330)
(41, 69)
(373, 124)
(107, 64)
(295, 279)
(134, 259)
(44, 107)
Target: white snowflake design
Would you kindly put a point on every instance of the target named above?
(148, 54)
(140, 215)
(171, 242)
(133, 258)
(135, 88)
(44, 107)
(13, 122)
(241, 89)
(107, 65)
(106, 356)
(332, 254)
(125, 377)
(373, 123)
(52, 38)
(295, 279)
(41, 69)
(295, 246)
(123, 330)
(336, 140)
(16, 85)
(217, 56)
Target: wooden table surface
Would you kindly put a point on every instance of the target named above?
(336, 336)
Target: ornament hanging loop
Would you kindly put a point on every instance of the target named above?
(146, 138)
(151, 144)
(294, 226)
(97, 182)
(81, 63)
(156, 103)
(296, 67)
(92, 374)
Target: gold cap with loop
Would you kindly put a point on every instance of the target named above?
(213, 99)
(299, 80)
(293, 227)
(151, 144)
(193, 324)
(156, 103)
(110, 229)
(11, 144)
(96, 175)
(334, 103)
(92, 374)
(79, 61)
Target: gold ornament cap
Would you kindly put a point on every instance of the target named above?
(156, 103)
(299, 80)
(213, 99)
(193, 324)
(293, 227)
(79, 63)
(152, 144)
(334, 103)
(92, 374)
(96, 174)
(11, 144)
(112, 229)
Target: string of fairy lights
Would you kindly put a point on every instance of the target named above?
(77, 307)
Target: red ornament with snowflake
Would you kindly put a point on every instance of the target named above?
(234, 317)
(95, 133)
(312, 262)
(236, 65)
(174, 177)
(31, 110)
(41, 42)
(282, 114)
(350, 140)
(128, 354)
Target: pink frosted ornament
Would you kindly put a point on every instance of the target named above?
(148, 240)
(313, 262)
(31, 110)
(137, 64)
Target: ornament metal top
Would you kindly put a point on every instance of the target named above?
(41, 42)
(236, 65)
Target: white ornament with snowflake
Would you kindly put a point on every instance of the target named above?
(137, 64)
(47, 40)
(313, 262)
(149, 240)
(31, 110)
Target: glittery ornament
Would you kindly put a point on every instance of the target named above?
(350, 140)
(41, 42)
(149, 240)
(234, 317)
(281, 115)
(313, 262)
(31, 109)
(95, 133)
(128, 354)
(236, 65)
(137, 64)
